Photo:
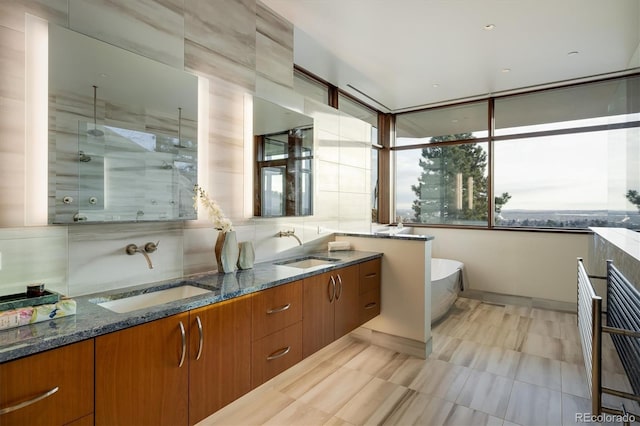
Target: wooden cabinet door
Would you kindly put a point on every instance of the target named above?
(139, 376)
(220, 356)
(347, 312)
(35, 378)
(318, 320)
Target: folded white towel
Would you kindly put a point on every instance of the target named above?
(339, 245)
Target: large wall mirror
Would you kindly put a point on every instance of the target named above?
(122, 134)
(283, 167)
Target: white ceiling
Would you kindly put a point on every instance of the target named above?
(397, 51)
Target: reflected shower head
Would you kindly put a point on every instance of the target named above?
(95, 131)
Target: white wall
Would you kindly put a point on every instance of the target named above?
(531, 264)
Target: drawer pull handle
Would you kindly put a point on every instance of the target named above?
(371, 275)
(279, 353)
(29, 402)
(370, 305)
(280, 309)
(201, 338)
(339, 287)
(184, 344)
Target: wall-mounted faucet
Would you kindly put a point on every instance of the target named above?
(291, 233)
(150, 247)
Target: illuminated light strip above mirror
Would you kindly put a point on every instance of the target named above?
(36, 116)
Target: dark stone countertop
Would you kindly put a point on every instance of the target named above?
(391, 234)
(92, 320)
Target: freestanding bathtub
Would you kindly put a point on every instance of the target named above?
(446, 276)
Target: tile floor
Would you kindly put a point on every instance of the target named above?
(491, 365)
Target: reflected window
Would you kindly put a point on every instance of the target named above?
(284, 167)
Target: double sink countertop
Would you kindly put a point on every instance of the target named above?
(92, 320)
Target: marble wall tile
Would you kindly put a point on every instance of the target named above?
(273, 60)
(327, 145)
(275, 27)
(274, 46)
(12, 129)
(353, 179)
(12, 12)
(326, 206)
(12, 51)
(269, 246)
(98, 261)
(327, 118)
(328, 176)
(12, 158)
(353, 129)
(198, 255)
(219, 43)
(354, 206)
(31, 255)
(151, 28)
(220, 39)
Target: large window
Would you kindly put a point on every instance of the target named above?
(559, 158)
(441, 168)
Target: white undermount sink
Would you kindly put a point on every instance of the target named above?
(147, 300)
(308, 262)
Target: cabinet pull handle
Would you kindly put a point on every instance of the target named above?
(371, 275)
(279, 353)
(339, 287)
(29, 402)
(332, 289)
(370, 305)
(184, 344)
(201, 338)
(280, 309)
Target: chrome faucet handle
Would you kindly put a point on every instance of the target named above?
(131, 249)
(150, 247)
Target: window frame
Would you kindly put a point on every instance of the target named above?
(491, 139)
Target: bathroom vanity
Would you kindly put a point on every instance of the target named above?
(200, 353)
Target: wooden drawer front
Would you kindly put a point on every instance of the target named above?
(369, 305)
(69, 368)
(275, 353)
(369, 275)
(276, 308)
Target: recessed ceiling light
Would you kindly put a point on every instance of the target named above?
(489, 27)
(573, 53)
(506, 70)
(435, 85)
(455, 120)
(103, 75)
